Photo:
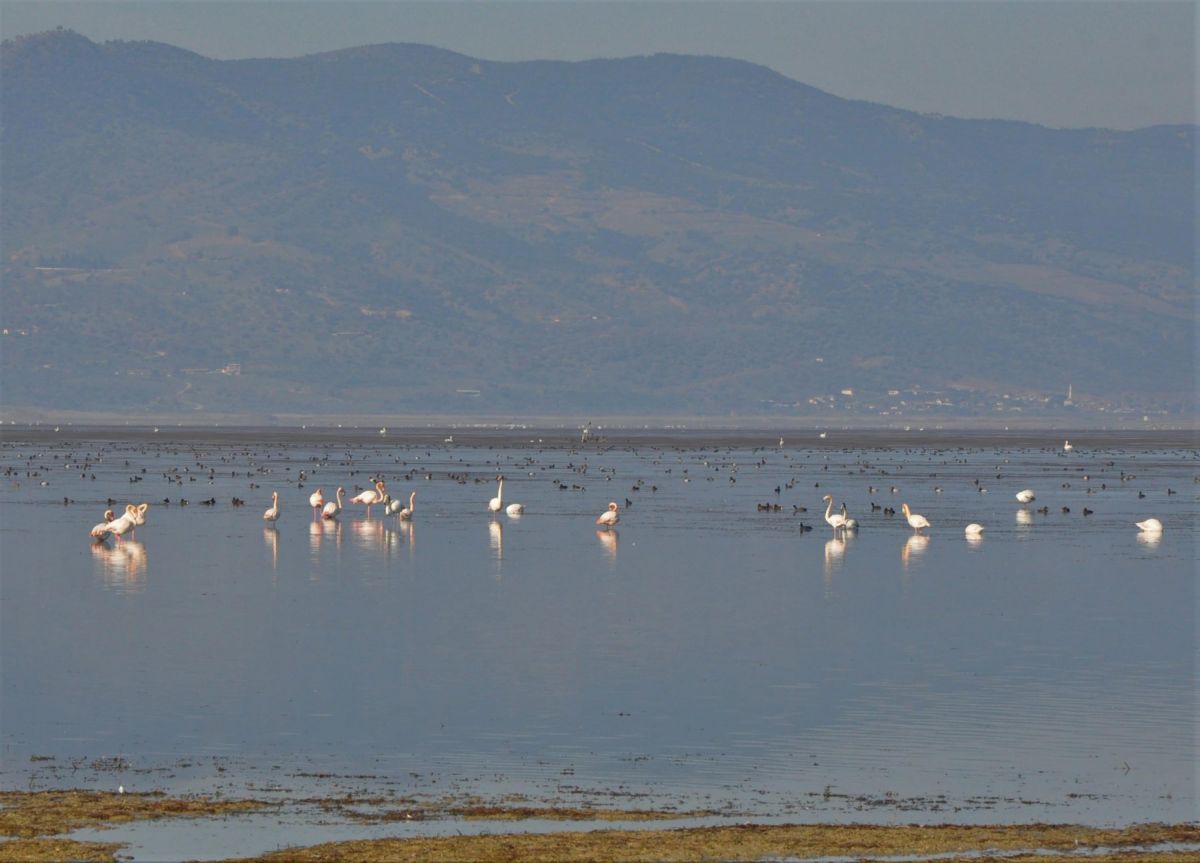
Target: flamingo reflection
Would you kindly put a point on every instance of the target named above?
(835, 549)
(271, 538)
(1024, 517)
(368, 533)
(122, 566)
(609, 539)
(914, 546)
(496, 539)
(1149, 538)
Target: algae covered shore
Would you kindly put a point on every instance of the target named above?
(35, 826)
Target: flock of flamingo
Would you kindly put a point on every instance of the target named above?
(135, 515)
(841, 522)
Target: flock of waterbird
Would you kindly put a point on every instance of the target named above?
(841, 522)
(135, 514)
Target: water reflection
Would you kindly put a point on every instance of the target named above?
(1024, 517)
(123, 566)
(368, 534)
(974, 540)
(1149, 538)
(496, 539)
(608, 541)
(914, 547)
(834, 550)
(271, 538)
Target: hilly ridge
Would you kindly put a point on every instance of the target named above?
(399, 228)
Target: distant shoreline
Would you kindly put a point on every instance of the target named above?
(544, 433)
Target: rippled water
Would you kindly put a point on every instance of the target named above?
(704, 654)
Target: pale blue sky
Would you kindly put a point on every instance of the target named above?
(1120, 64)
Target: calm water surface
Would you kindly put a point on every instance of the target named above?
(704, 654)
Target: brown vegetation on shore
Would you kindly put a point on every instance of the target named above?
(33, 823)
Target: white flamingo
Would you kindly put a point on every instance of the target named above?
(1026, 495)
(119, 526)
(1150, 525)
(139, 516)
(100, 531)
(915, 520)
(847, 522)
(515, 509)
(610, 516)
(497, 503)
(1068, 446)
(272, 514)
(334, 507)
(836, 520)
(316, 500)
(371, 495)
(973, 529)
(398, 509)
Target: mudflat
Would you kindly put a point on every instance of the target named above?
(33, 825)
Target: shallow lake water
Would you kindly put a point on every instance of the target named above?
(706, 654)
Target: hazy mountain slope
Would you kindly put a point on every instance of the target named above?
(382, 228)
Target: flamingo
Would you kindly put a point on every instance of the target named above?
(125, 523)
(973, 529)
(848, 523)
(1026, 495)
(515, 509)
(404, 512)
(100, 531)
(272, 514)
(139, 514)
(1068, 446)
(497, 503)
(1150, 525)
(835, 520)
(316, 500)
(915, 520)
(334, 507)
(610, 516)
(371, 496)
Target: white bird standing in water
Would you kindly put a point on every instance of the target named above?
(610, 516)
(1026, 495)
(139, 516)
(836, 520)
(497, 503)
(124, 524)
(334, 507)
(847, 522)
(1150, 525)
(1068, 446)
(515, 508)
(316, 500)
(272, 514)
(371, 495)
(973, 529)
(101, 530)
(403, 512)
(915, 520)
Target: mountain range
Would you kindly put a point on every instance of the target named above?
(399, 229)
